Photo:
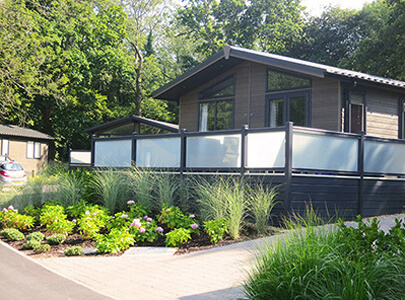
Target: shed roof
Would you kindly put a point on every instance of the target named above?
(16, 131)
(232, 56)
(131, 119)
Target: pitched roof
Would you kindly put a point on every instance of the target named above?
(13, 130)
(232, 56)
(130, 119)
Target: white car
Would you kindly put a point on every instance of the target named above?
(11, 173)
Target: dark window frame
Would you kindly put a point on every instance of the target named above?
(286, 105)
(347, 108)
(401, 119)
(215, 111)
(232, 78)
(287, 74)
(8, 147)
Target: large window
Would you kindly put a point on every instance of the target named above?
(355, 112)
(216, 108)
(281, 81)
(33, 149)
(293, 107)
(4, 147)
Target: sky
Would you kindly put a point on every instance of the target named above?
(315, 7)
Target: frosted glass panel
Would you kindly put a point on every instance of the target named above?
(382, 157)
(214, 151)
(112, 153)
(80, 157)
(158, 153)
(312, 151)
(266, 150)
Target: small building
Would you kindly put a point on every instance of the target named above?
(26, 146)
(239, 86)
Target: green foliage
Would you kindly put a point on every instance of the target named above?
(144, 230)
(35, 236)
(10, 218)
(32, 211)
(31, 244)
(174, 218)
(92, 221)
(142, 183)
(115, 241)
(166, 186)
(55, 219)
(70, 188)
(331, 263)
(74, 251)
(111, 187)
(12, 234)
(42, 248)
(261, 203)
(78, 209)
(177, 237)
(56, 239)
(216, 229)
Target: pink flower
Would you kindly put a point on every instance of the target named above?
(112, 217)
(145, 217)
(16, 210)
(95, 213)
(159, 229)
(87, 212)
(124, 216)
(74, 221)
(194, 226)
(142, 230)
(149, 219)
(131, 202)
(10, 207)
(192, 216)
(147, 223)
(136, 223)
(5, 209)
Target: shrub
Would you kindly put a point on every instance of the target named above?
(117, 240)
(92, 221)
(331, 263)
(261, 203)
(145, 229)
(216, 229)
(12, 234)
(56, 239)
(177, 237)
(32, 211)
(74, 251)
(10, 218)
(30, 244)
(173, 218)
(76, 210)
(42, 248)
(112, 189)
(35, 236)
(55, 219)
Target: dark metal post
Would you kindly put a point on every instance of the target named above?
(360, 169)
(243, 155)
(93, 136)
(133, 150)
(183, 149)
(70, 157)
(288, 165)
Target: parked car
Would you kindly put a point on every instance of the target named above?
(12, 173)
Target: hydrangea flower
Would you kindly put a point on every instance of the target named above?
(74, 221)
(194, 226)
(145, 217)
(142, 230)
(147, 223)
(11, 207)
(159, 229)
(131, 202)
(149, 219)
(5, 209)
(87, 212)
(136, 223)
(95, 213)
(16, 210)
(192, 216)
(124, 216)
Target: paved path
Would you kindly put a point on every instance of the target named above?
(154, 274)
(25, 279)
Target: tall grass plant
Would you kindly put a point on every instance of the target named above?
(261, 202)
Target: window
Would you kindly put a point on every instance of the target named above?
(293, 107)
(355, 118)
(33, 149)
(401, 129)
(225, 88)
(5, 147)
(280, 81)
(216, 115)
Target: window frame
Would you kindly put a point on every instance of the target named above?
(2, 147)
(286, 106)
(35, 154)
(232, 100)
(401, 119)
(290, 75)
(232, 77)
(348, 111)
